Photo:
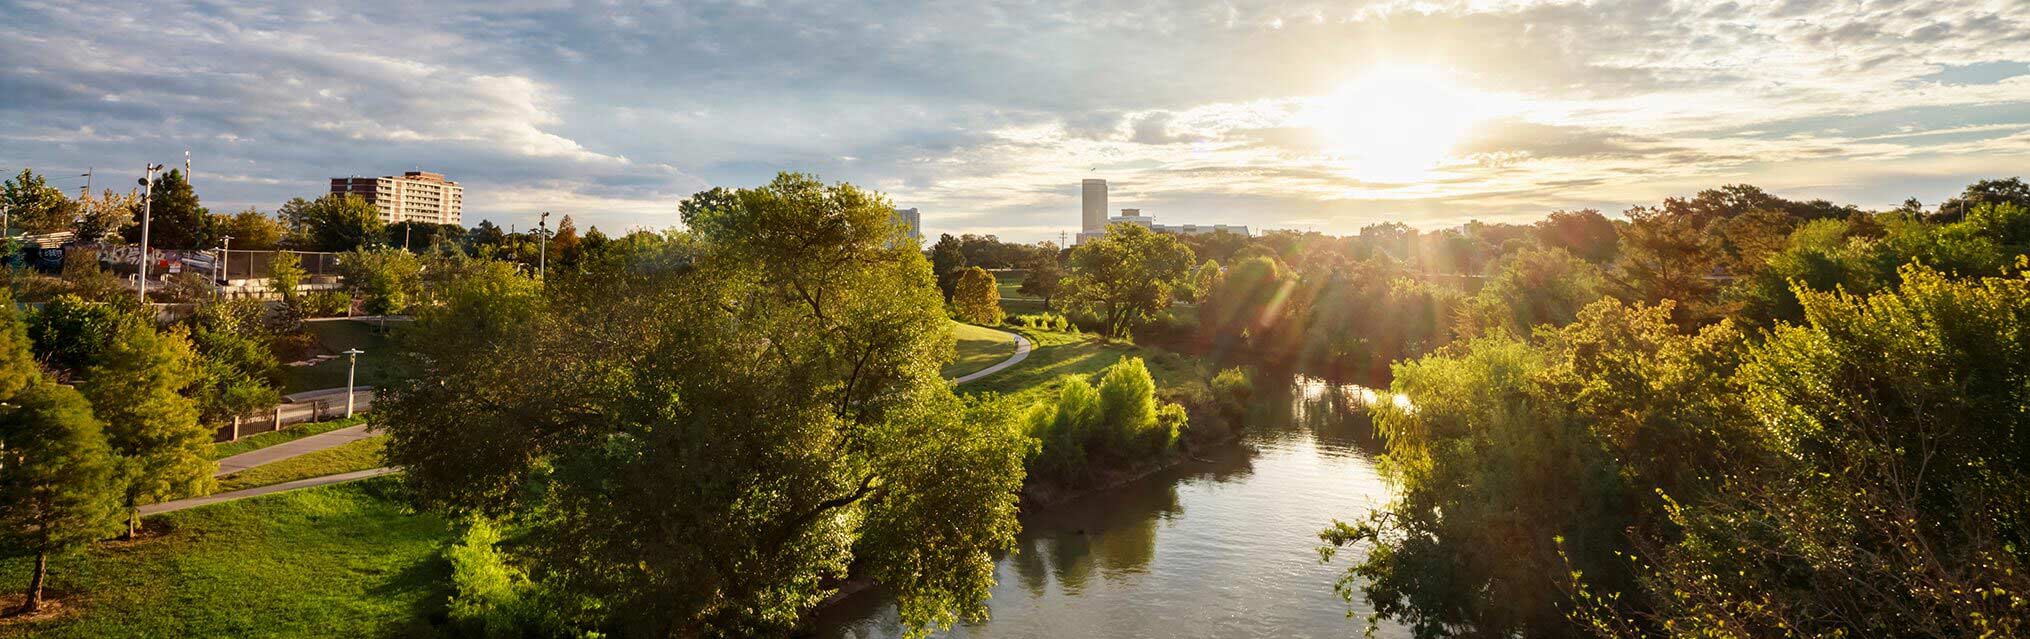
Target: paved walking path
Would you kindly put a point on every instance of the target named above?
(1021, 353)
(180, 504)
(290, 449)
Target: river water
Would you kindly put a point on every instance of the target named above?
(1222, 547)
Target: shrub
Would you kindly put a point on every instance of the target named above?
(1231, 390)
(493, 599)
(325, 304)
(1118, 421)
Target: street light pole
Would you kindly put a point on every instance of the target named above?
(543, 246)
(219, 271)
(147, 206)
(351, 369)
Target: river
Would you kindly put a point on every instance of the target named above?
(1223, 547)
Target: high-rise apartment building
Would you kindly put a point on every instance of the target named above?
(911, 219)
(1093, 209)
(414, 196)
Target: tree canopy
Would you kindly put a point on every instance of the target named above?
(1129, 275)
(706, 429)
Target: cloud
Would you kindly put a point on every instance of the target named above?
(986, 114)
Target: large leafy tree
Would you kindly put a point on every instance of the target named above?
(335, 222)
(1128, 275)
(1584, 233)
(703, 431)
(176, 219)
(250, 229)
(1666, 255)
(71, 333)
(948, 261)
(106, 215)
(1045, 278)
(978, 297)
(137, 387)
(33, 206)
(386, 279)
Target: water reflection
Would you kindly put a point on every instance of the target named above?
(1223, 546)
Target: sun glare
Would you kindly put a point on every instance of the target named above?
(1395, 122)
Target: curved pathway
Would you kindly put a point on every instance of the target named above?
(1021, 353)
(351, 434)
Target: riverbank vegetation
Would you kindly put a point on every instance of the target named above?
(1757, 418)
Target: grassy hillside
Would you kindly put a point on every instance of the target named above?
(336, 561)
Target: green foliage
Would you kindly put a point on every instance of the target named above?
(978, 297)
(176, 220)
(335, 222)
(948, 261)
(1128, 275)
(1667, 256)
(250, 229)
(1045, 279)
(1510, 445)
(1586, 234)
(286, 275)
(1535, 286)
(703, 430)
(136, 386)
(494, 598)
(57, 486)
(33, 206)
(1117, 424)
(1044, 322)
(387, 280)
(1232, 390)
(1204, 279)
(71, 334)
(1247, 300)
(237, 373)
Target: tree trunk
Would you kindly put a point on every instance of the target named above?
(133, 521)
(33, 601)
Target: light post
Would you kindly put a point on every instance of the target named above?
(543, 246)
(219, 272)
(351, 369)
(147, 205)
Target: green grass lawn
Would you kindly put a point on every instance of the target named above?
(333, 561)
(1058, 354)
(375, 367)
(978, 348)
(358, 455)
(251, 443)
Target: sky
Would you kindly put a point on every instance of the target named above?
(986, 115)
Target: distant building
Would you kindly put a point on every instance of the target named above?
(1094, 220)
(912, 219)
(415, 196)
(1092, 209)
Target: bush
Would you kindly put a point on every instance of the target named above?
(326, 304)
(493, 599)
(1118, 422)
(1231, 390)
(1044, 322)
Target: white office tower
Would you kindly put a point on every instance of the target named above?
(1093, 203)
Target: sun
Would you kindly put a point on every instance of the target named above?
(1396, 121)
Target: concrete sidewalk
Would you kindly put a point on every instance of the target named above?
(290, 449)
(180, 504)
(1021, 353)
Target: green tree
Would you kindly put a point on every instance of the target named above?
(137, 389)
(1534, 286)
(33, 206)
(1244, 303)
(107, 215)
(386, 279)
(701, 430)
(176, 220)
(285, 277)
(1893, 489)
(1045, 279)
(1585, 233)
(1204, 278)
(978, 297)
(948, 261)
(57, 490)
(71, 334)
(1666, 256)
(1128, 275)
(333, 223)
(236, 371)
(250, 229)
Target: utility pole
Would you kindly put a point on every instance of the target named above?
(88, 184)
(406, 226)
(147, 207)
(543, 246)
